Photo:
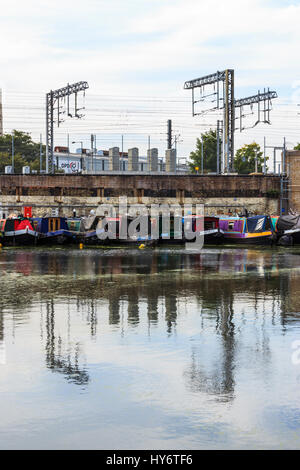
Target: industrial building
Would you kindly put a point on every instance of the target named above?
(86, 162)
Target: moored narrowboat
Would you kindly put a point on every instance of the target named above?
(206, 226)
(248, 230)
(170, 229)
(116, 230)
(53, 230)
(18, 231)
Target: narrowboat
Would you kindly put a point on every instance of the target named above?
(115, 230)
(147, 225)
(248, 230)
(170, 230)
(18, 231)
(207, 226)
(76, 229)
(53, 230)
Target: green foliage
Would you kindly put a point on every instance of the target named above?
(245, 158)
(5, 159)
(26, 152)
(273, 193)
(209, 153)
(297, 147)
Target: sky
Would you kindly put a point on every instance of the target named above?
(136, 56)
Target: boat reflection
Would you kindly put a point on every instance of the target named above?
(221, 288)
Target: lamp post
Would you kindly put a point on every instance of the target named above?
(256, 168)
(176, 140)
(13, 153)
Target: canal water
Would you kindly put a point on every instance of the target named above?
(153, 349)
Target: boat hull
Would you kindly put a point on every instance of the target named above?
(213, 237)
(20, 237)
(59, 237)
(289, 237)
(91, 238)
(249, 239)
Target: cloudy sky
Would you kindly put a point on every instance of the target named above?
(136, 56)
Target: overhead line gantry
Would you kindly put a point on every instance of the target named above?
(225, 100)
(52, 98)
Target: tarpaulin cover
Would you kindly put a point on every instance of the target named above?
(287, 222)
(258, 224)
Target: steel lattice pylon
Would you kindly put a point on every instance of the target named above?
(229, 120)
(227, 77)
(229, 104)
(51, 98)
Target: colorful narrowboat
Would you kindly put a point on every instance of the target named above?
(53, 230)
(248, 230)
(18, 231)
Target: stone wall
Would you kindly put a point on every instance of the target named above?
(220, 194)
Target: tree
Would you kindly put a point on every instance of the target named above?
(246, 157)
(297, 147)
(209, 152)
(26, 151)
(23, 144)
(5, 160)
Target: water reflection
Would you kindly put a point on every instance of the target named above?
(222, 306)
(58, 360)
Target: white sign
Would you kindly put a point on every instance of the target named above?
(69, 166)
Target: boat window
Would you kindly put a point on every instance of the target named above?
(231, 225)
(209, 224)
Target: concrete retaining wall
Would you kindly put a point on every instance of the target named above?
(219, 193)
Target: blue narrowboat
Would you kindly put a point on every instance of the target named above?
(53, 230)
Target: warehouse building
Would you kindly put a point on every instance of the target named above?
(86, 162)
